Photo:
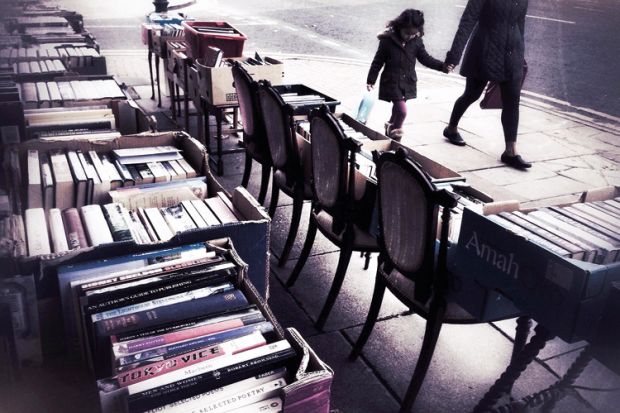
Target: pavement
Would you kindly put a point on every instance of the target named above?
(572, 150)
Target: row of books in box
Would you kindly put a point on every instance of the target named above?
(58, 231)
(74, 56)
(63, 92)
(181, 329)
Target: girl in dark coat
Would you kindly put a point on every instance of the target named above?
(399, 47)
(495, 52)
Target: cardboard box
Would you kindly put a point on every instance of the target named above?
(309, 377)
(216, 83)
(565, 295)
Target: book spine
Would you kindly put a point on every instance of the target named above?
(36, 232)
(225, 301)
(160, 368)
(118, 227)
(165, 352)
(208, 381)
(76, 237)
(164, 301)
(96, 227)
(57, 231)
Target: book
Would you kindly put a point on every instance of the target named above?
(80, 180)
(187, 168)
(145, 173)
(162, 195)
(160, 174)
(271, 405)
(57, 231)
(118, 226)
(128, 179)
(158, 223)
(180, 172)
(227, 301)
(64, 187)
(205, 212)
(146, 224)
(95, 225)
(35, 192)
(91, 177)
(191, 210)
(100, 195)
(116, 181)
(43, 95)
(145, 155)
(220, 210)
(36, 232)
(47, 182)
(76, 236)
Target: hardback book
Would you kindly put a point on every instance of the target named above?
(145, 173)
(158, 223)
(162, 195)
(147, 224)
(66, 91)
(47, 182)
(226, 200)
(74, 229)
(113, 214)
(599, 215)
(95, 225)
(43, 95)
(140, 233)
(588, 220)
(177, 219)
(64, 186)
(54, 93)
(35, 192)
(221, 211)
(128, 179)
(271, 405)
(29, 95)
(79, 179)
(583, 225)
(191, 210)
(91, 177)
(100, 195)
(213, 56)
(171, 172)
(36, 232)
(205, 212)
(135, 175)
(57, 231)
(189, 171)
(160, 174)
(116, 181)
(178, 169)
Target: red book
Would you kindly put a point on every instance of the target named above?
(76, 237)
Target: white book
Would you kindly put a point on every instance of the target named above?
(206, 213)
(101, 191)
(36, 232)
(158, 223)
(29, 95)
(116, 181)
(189, 171)
(57, 231)
(208, 365)
(159, 172)
(183, 406)
(79, 179)
(272, 405)
(35, 192)
(147, 224)
(55, 96)
(130, 156)
(177, 219)
(221, 211)
(140, 234)
(163, 301)
(96, 227)
(66, 91)
(47, 182)
(171, 172)
(178, 170)
(43, 95)
(64, 187)
(193, 213)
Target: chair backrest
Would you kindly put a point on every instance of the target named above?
(408, 210)
(278, 118)
(247, 98)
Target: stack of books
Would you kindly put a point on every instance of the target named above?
(39, 67)
(62, 93)
(58, 121)
(93, 225)
(295, 99)
(66, 179)
(174, 330)
(583, 231)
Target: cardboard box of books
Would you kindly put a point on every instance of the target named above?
(555, 263)
(216, 82)
(182, 328)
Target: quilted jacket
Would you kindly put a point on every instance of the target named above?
(399, 79)
(496, 49)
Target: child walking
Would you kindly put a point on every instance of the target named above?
(400, 45)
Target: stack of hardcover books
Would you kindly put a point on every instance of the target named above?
(180, 330)
(68, 92)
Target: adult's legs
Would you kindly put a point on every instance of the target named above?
(473, 91)
(511, 95)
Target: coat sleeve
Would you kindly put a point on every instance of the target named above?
(466, 26)
(377, 63)
(426, 59)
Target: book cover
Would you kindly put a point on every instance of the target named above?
(158, 223)
(36, 232)
(220, 210)
(95, 224)
(191, 210)
(47, 182)
(57, 231)
(118, 226)
(177, 219)
(79, 179)
(206, 213)
(64, 187)
(35, 192)
(74, 229)
(91, 177)
(100, 195)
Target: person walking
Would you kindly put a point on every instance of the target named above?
(495, 53)
(400, 45)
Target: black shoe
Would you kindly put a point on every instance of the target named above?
(515, 161)
(454, 138)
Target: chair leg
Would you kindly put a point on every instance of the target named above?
(298, 205)
(247, 170)
(275, 192)
(371, 319)
(367, 260)
(431, 334)
(264, 183)
(305, 252)
(341, 271)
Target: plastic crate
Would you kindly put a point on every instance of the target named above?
(301, 89)
(232, 46)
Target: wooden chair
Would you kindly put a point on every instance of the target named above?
(411, 263)
(337, 189)
(288, 172)
(254, 134)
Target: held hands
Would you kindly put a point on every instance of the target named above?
(447, 68)
(369, 87)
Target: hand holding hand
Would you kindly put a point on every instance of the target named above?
(447, 68)
(370, 87)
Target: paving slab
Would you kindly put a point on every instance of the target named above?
(459, 158)
(548, 187)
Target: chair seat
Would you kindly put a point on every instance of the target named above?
(361, 239)
(405, 289)
(279, 178)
